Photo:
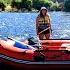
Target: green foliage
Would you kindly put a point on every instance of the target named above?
(8, 8)
(17, 0)
(2, 6)
(35, 4)
(27, 4)
(55, 6)
(6, 2)
(67, 5)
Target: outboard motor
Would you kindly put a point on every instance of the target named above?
(35, 42)
(39, 57)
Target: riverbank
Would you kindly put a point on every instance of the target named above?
(34, 5)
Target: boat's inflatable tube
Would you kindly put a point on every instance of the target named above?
(67, 46)
(17, 46)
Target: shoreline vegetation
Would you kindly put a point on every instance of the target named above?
(34, 5)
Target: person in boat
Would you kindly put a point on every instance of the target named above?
(43, 25)
(17, 46)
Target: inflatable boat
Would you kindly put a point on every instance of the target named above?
(50, 52)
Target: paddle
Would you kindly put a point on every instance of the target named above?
(44, 30)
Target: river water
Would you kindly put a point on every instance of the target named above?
(23, 24)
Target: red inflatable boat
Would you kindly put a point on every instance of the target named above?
(51, 52)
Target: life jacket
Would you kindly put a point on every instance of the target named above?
(44, 20)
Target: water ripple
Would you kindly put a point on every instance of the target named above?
(18, 24)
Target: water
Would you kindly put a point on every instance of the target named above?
(23, 24)
(60, 25)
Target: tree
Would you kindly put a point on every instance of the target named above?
(2, 6)
(37, 4)
(6, 2)
(55, 6)
(29, 4)
(26, 4)
(67, 5)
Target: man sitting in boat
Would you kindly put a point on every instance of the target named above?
(43, 25)
(17, 46)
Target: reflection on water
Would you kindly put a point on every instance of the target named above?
(19, 24)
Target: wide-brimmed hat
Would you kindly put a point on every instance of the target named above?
(43, 8)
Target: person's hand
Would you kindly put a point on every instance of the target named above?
(29, 51)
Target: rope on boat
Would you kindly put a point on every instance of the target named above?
(13, 59)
